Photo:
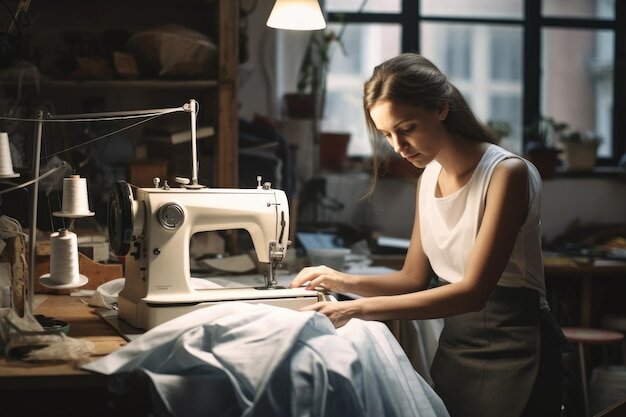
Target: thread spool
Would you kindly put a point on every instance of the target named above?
(63, 262)
(75, 199)
(6, 164)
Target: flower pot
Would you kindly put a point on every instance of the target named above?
(545, 160)
(580, 156)
(333, 150)
(399, 168)
(299, 106)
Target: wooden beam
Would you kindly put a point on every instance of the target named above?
(227, 147)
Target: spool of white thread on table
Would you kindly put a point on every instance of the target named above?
(63, 262)
(64, 257)
(6, 164)
(75, 198)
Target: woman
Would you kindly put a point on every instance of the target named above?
(477, 227)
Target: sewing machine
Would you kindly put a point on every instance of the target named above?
(153, 232)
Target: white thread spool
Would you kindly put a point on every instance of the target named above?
(6, 164)
(75, 199)
(63, 262)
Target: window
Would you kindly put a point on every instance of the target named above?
(603, 9)
(584, 59)
(455, 49)
(475, 8)
(514, 60)
(485, 64)
(505, 53)
(370, 6)
(366, 46)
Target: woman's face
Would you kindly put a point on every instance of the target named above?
(414, 132)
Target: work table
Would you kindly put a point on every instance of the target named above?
(84, 323)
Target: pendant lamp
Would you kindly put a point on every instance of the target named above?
(296, 15)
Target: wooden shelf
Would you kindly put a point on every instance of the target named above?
(596, 172)
(153, 83)
(217, 92)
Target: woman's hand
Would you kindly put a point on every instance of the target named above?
(321, 276)
(339, 312)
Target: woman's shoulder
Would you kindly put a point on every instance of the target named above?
(511, 167)
(510, 174)
(505, 160)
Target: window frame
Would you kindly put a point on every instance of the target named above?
(533, 22)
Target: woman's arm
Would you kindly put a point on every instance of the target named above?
(505, 211)
(414, 276)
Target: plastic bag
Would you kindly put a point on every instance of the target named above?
(172, 51)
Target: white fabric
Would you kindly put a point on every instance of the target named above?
(277, 361)
(420, 339)
(449, 224)
(106, 294)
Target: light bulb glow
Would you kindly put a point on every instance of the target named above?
(296, 15)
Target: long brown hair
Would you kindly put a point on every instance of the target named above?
(412, 79)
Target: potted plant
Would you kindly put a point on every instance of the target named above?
(308, 100)
(579, 149)
(539, 149)
(501, 129)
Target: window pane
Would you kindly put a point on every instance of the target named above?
(505, 54)
(456, 52)
(485, 64)
(371, 6)
(366, 45)
(604, 9)
(577, 81)
(474, 8)
(507, 108)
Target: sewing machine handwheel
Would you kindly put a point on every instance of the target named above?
(120, 218)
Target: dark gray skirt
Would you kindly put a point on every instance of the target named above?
(490, 362)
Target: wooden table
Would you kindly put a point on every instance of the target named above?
(35, 388)
(588, 274)
(555, 268)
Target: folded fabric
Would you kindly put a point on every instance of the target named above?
(106, 294)
(260, 360)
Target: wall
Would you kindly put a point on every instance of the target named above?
(590, 200)
(391, 208)
(257, 73)
(272, 66)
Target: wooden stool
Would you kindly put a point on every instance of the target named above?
(581, 336)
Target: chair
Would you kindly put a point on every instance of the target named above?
(581, 336)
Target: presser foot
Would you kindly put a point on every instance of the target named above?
(275, 287)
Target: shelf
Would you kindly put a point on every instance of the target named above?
(596, 172)
(161, 84)
(202, 2)
(217, 92)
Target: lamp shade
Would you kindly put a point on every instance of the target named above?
(296, 15)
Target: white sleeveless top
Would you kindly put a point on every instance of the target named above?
(449, 225)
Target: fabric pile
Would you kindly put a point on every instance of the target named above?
(258, 360)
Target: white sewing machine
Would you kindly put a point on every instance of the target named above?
(153, 231)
